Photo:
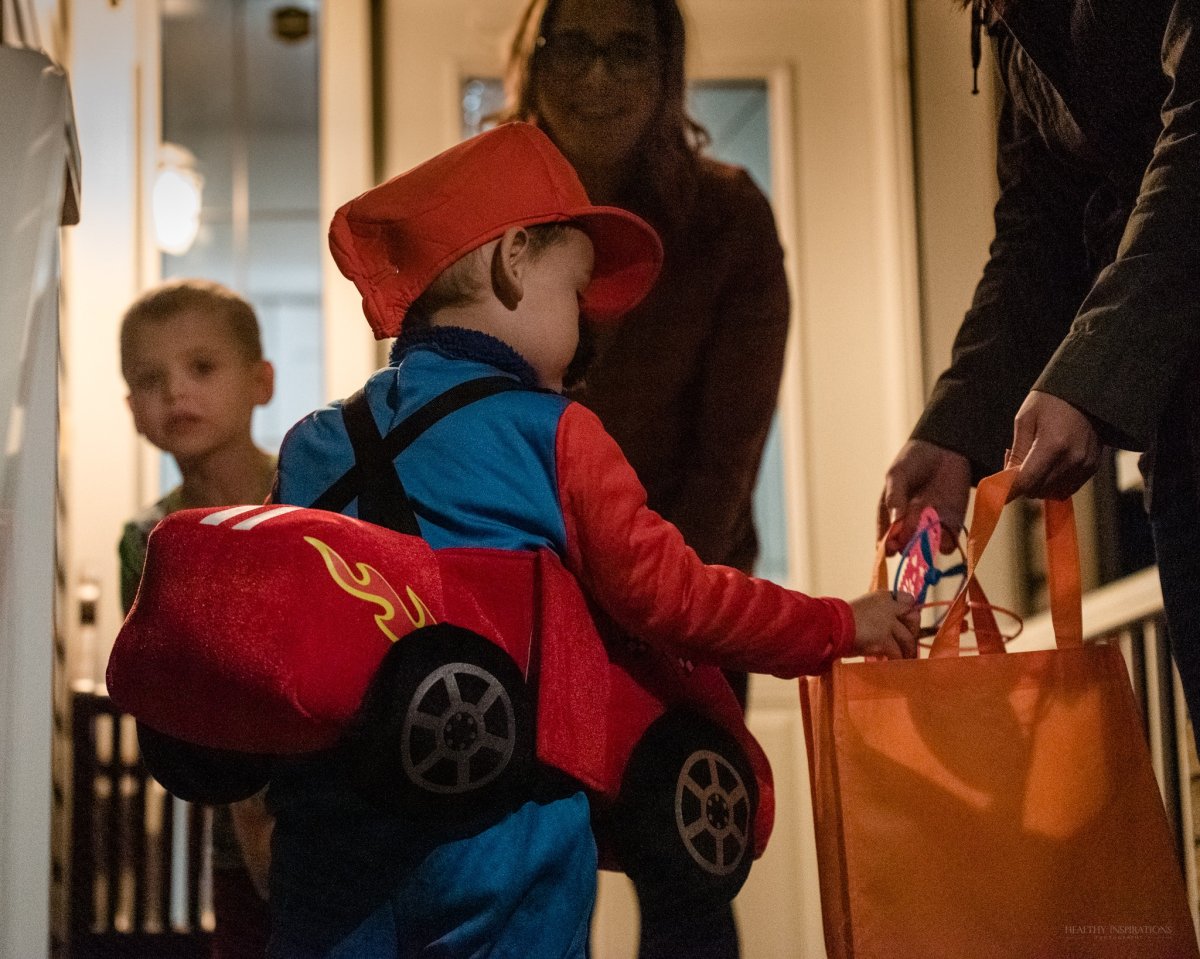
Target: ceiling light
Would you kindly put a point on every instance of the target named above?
(176, 199)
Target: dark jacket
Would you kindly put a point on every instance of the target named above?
(687, 382)
(1092, 288)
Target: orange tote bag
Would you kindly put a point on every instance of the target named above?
(992, 806)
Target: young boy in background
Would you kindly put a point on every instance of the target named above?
(482, 260)
(191, 356)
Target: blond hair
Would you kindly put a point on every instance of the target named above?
(179, 296)
(464, 280)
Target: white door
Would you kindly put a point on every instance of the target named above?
(37, 149)
(835, 73)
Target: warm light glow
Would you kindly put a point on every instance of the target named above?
(176, 200)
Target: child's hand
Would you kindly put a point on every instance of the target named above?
(886, 627)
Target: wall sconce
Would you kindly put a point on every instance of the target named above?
(176, 199)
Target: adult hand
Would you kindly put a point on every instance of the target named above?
(924, 474)
(1056, 446)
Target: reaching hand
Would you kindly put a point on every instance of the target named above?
(923, 474)
(1056, 445)
(886, 627)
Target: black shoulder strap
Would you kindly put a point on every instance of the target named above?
(381, 496)
(373, 477)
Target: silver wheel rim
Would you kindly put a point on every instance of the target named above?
(449, 734)
(712, 812)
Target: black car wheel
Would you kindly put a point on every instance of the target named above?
(446, 727)
(684, 818)
(200, 774)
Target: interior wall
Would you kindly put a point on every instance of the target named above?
(104, 268)
(347, 149)
(954, 136)
(37, 190)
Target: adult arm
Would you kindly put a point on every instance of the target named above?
(636, 566)
(1034, 280)
(1035, 277)
(740, 373)
(1138, 331)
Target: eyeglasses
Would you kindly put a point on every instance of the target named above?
(570, 54)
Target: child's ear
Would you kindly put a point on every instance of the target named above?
(134, 413)
(264, 385)
(508, 266)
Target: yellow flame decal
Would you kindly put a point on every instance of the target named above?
(367, 578)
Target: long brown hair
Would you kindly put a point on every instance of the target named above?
(663, 183)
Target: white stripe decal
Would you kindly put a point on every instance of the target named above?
(263, 517)
(219, 517)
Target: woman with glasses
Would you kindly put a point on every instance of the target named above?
(687, 383)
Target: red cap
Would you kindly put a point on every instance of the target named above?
(394, 240)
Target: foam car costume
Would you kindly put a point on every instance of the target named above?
(266, 625)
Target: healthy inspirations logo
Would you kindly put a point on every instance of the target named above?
(1115, 931)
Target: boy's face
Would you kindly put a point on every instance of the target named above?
(553, 285)
(191, 390)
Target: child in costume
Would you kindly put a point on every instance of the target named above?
(482, 261)
(191, 355)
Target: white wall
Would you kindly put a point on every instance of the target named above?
(105, 266)
(346, 158)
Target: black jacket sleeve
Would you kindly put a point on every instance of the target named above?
(1138, 331)
(1034, 280)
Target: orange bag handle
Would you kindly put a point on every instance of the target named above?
(983, 619)
(1062, 565)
